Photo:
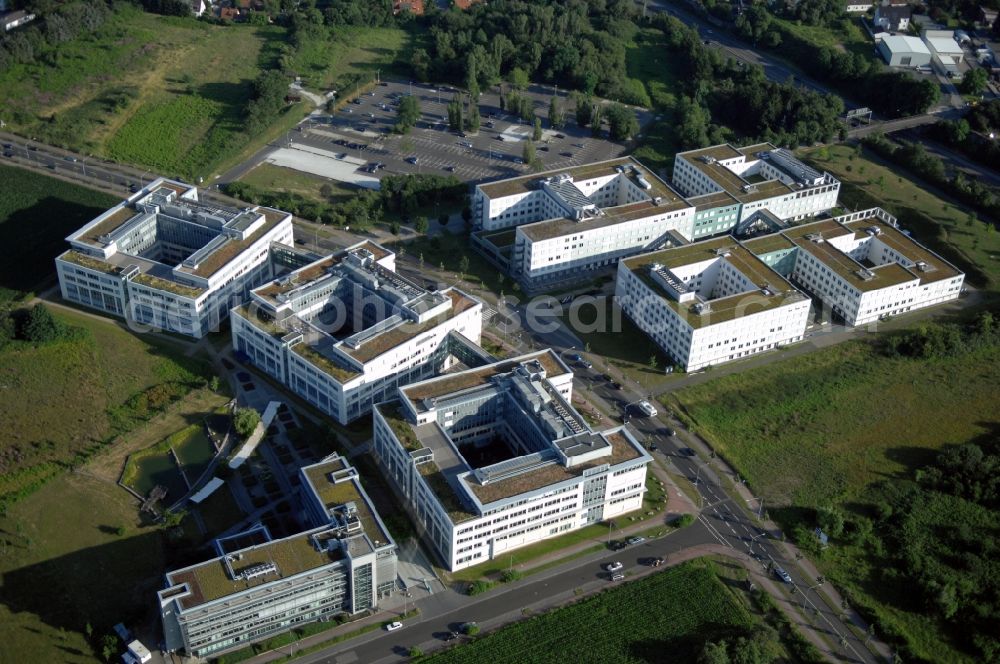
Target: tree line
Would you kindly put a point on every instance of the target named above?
(57, 25)
(915, 157)
(720, 97)
(572, 43)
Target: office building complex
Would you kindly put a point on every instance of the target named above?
(757, 177)
(344, 331)
(491, 459)
(710, 302)
(561, 226)
(165, 260)
(722, 299)
(344, 564)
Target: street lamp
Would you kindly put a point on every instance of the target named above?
(760, 507)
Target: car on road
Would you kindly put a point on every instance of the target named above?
(686, 451)
(613, 566)
(450, 169)
(647, 408)
(543, 148)
(8, 153)
(633, 541)
(499, 137)
(618, 577)
(586, 364)
(668, 432)
(393, 626)
(653, 448)
(518, 160)
(782, 574)
(560, 135)
(68, 158)
(616, 545)
(450, 636)
(654, 562)
(466, 144)
(575, 357)
(615, 385)
(412, 160)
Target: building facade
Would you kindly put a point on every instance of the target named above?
(723, 299)
(491, 459)
(164, 260)
(345, 564)
(710, 302)
(344, 331)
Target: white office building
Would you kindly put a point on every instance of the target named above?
(759, 177)
(722, 299)
(345, 564)
(710, 302)
(563, 225)
(167, 261)
(863, 267)
(344, 331)
(491, 459)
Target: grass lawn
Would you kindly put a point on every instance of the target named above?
(64, 565)
(822, 429)
(36, 214)
(307, 185)
(356, 54)
(448, 250)
(615, 339)
(941, 225)
(71, 397)
(220, 511)
(674, 611)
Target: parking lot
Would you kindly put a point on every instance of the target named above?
(347, 145)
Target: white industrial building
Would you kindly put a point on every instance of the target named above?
(722, 299)
(904, 51)
(345, 563)
(164, 260)
(344, 331)
(757, 177)
(946, 52)
(491, 459)
(561, 226)
(710, 302)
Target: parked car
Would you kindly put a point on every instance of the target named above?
(655, 562)
(575, 357)
(668, 432)
(615, 385)
(450, 169)
(617, 545)
(393, 626)
(412, 160)
(687, 451)
(647, 408)
(613, 566)
(451, 636)
(633, 541)
(618, 577)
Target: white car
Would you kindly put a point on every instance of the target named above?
(647, 409)
(613, 566)
(393, 626)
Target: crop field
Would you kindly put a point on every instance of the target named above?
(670, 613)
(36, 215)
(941, 225)
(820, 427)
(69, 398)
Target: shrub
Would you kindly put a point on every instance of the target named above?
(479, 586)
(684, 520)
(245, 420)
(511, 575)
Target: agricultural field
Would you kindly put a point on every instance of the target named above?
(845, 431)
(67, 399)
(940, 224)
(36, 215)
(674, 611)
(156, 91)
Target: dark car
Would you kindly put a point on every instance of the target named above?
(543, 148)
(8, 153)
(450, 636)
(617, 545)
(566, 154)
(560, 136)
(615, 385)
(687, 451)
(668, 432)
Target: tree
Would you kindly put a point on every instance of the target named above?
(528, 154)
(974, 81)
(214, 384)
(109, 646)
(596, 120)
(472, 77)
(830, 521)
(407, 114)
(536, 133)
(556, 120)
(473, 121)
(455, 114)
(421, 63)
(443, 219)
(584, 110)
(652, 361)
(421, 225)
(621, 122)
(518, 79)
(463, 265)
(40, 326)
(714, 653)
(245, 420)
(467, 214)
